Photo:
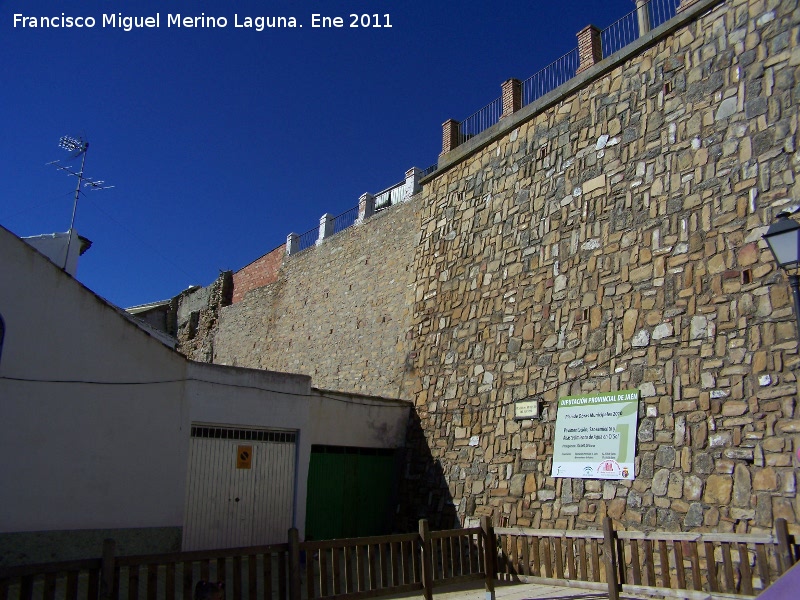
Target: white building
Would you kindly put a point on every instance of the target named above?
(63, 249)
(108, 432)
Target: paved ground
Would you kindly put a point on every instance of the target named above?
(521, 591)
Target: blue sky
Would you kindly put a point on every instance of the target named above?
(220, 142)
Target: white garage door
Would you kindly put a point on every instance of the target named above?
(240, 487)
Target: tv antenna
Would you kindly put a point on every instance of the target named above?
(77, 147)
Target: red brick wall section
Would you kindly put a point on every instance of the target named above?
(449, 135)
(258, 273)
(512, 96)
(589, 47)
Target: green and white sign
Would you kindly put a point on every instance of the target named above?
(595, 435)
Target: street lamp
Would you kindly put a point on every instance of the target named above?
(783, 239)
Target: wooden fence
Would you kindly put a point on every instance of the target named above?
(690, 565)
(346, 568)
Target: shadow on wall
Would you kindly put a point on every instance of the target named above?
(423, 489)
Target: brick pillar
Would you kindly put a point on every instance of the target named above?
(292, 243)
(413, 176)
(643, 16)
(366, 207)
(512, 96)
(686, 4)
(449, 135)
(589, 50)
(325, 227)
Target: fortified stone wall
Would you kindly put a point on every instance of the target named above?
(338, 312)
(609, 240)
(613, 242)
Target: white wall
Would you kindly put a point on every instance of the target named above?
(89, 453)
(54, 246)
(96, 412)
(353, 420)
(236, 396)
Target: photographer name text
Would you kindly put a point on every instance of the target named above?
(129, 23)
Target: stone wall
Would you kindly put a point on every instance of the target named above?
(607, 237)
(338, 312)
(613, 241)
(190, 318)
(196, 312)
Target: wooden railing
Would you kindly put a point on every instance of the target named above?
(249, 573)
(345, 568)
(364, 566)
(632, 562)
(78, 579)
(459, 555)
(645, 562)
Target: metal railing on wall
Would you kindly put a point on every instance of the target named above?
(661, 11)
(345, 220)
(619, 34)
(616, 36)
(308, 239)
(390, 196)
(631, 27)
(384, 199)
(480, 120)
(429, 170)
(613, 38)
(553, 75)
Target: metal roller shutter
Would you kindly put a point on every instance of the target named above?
(240, 487)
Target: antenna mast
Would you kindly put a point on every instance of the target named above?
(82, 148)
(78, 147)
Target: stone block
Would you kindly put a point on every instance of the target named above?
(718, 490)
(516, 486)
(695, 516)
(692, 487)
(660, 481)
(765, 479)
(741, 486)
(675, 487)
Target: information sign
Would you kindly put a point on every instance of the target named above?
(595, 435)
(526, 409)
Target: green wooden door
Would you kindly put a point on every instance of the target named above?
(350, 492)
